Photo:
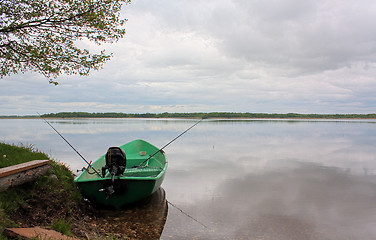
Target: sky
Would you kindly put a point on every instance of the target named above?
(275, 56)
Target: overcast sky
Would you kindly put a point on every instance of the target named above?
(274, 56)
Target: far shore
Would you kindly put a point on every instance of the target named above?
(216, 118)
(197, 115)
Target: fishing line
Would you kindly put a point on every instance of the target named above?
(186, 214)
(161, 149)
(69, 144)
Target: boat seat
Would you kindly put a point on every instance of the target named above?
(142, 172)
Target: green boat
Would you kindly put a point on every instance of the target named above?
(124, 175)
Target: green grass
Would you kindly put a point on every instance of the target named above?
(14, 197)
(53, 194)
(112, 237)
(63, 226)
(11, 154)
(2, 237)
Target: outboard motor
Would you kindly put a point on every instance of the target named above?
(115, 162)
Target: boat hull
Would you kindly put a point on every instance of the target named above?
(135, 184)
(131, 191)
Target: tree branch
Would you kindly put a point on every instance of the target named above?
(42, 38)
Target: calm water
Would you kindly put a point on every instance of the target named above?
(257, 179)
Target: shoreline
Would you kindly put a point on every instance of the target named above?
(52, 201)
(210, 118)
(193, 115)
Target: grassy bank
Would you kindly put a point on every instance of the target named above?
(12, 155)
(54, 202)
(49, 201)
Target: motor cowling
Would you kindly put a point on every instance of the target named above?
(115, 162)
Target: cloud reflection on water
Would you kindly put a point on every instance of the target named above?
(250, 179)
(293, 201)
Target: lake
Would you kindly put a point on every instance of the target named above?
(242, 179)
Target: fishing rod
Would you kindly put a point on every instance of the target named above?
(161, 149)
(186, 214)
(70, 145)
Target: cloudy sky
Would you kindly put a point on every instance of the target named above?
(274, 56)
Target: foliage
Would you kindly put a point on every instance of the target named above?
(10, 200)
(4, 222)
(112, 237)
(40, 35)
(229, 115)
(65, 182)
(63, 226)
(11, 154)
(2, 237)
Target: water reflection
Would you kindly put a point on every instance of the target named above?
(145, 220)
(245, 179)
(296, 201)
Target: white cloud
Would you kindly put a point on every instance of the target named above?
(228, 55)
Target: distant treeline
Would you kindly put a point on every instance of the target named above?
(207, 115)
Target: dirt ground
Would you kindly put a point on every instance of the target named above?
(142, 221)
